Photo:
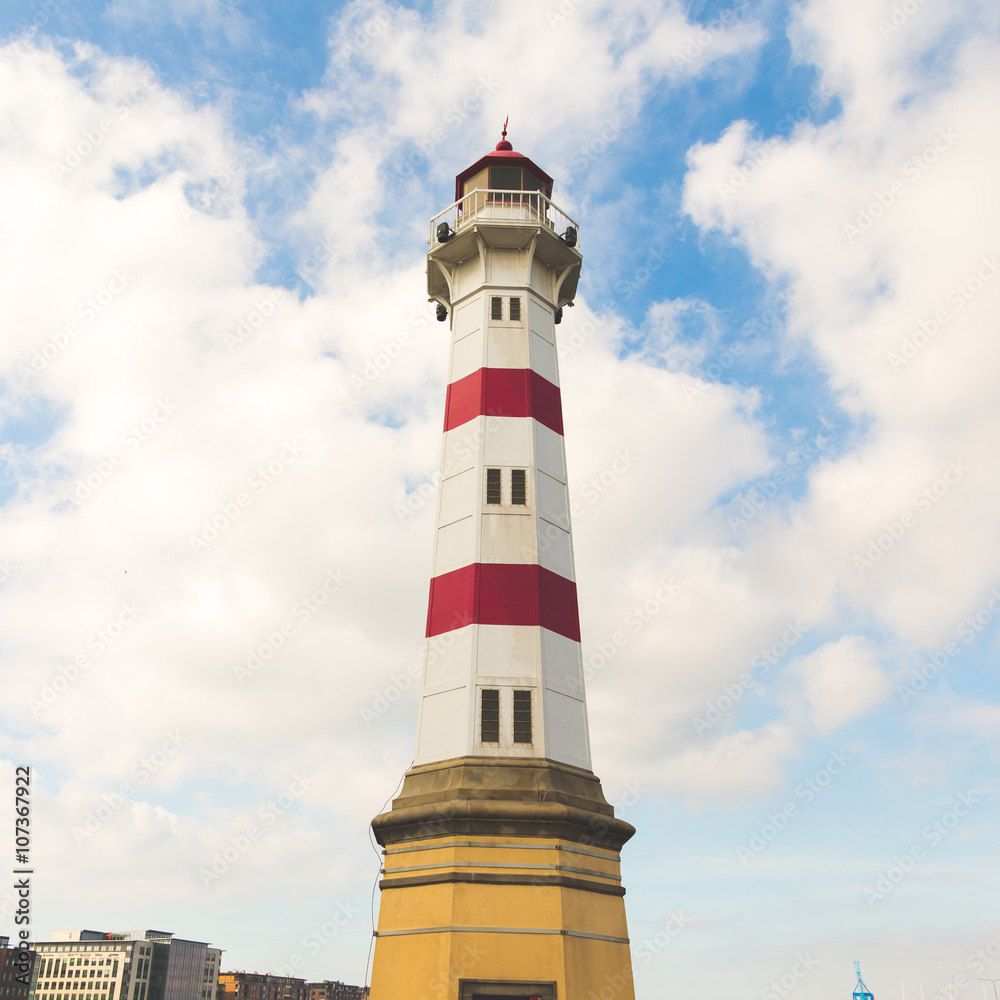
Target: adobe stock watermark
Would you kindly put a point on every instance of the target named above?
(960, 296)
(42, 13)
(358, 37)
(634, 622)
(769, 318)
(389, 352)
(748, 505)
(885, 198)
(92, 138)
(263, 309)
(761, 663)
(721, 362)
(922, 502)
(662, 939)
(257, 483)
(899, 15)
(779, 988)
(429, 652)
(755, 155)
(632, 794)
(268, 812)
(131, 440)
(655, 259)
(978, 961)
(968, 630)
(321, 937)
(577, 335)
(600, 138)
(454, 116)
(805, 792)
(417, 497)
(89, 310)
(303, 609)
(98, 642)
(461, 963)
(143, 769)
(757, 152)
(697, 43)
(203, 196)
(599, 485)
(931, 836)
(550, 534)
(566, 9)
(399, 683)
(462, 443)
(614, 984)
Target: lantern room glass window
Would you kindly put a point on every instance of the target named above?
(514, 179)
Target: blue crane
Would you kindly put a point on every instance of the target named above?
(861, 992)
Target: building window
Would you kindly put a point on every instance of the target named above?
(489, 725)
(518, 487)
(515, 309)
(522, 716)
(494, 494)
(496, 307)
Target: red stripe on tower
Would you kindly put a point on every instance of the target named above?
(503, 594)
(503, 392)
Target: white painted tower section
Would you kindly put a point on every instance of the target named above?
(503, 624)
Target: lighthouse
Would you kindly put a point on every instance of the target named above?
(501, 874)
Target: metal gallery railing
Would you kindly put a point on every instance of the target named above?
(482, 205)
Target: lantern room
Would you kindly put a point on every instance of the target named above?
(501, 171)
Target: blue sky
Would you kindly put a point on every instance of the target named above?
(750, 273)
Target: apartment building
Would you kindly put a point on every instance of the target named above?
(130, 965)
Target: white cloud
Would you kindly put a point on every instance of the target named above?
(840, 681)
(876, 220)
(744, 765)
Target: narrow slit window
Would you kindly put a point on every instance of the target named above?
(496, 307)
(493, 490)
(522, 716)
(515, 309)
(489, 718)
(518, 487)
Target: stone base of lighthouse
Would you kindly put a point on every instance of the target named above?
(502, 880)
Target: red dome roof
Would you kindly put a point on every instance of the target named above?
(506, 156)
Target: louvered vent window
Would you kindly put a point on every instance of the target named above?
(496, 307)
(515, 309)
(493, 490)
(522, 716)
(489, 724)
(518, 487)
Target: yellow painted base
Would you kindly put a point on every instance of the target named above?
(563, 925)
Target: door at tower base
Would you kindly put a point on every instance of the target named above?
(477, 989)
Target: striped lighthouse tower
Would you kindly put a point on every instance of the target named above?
(502, 870)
